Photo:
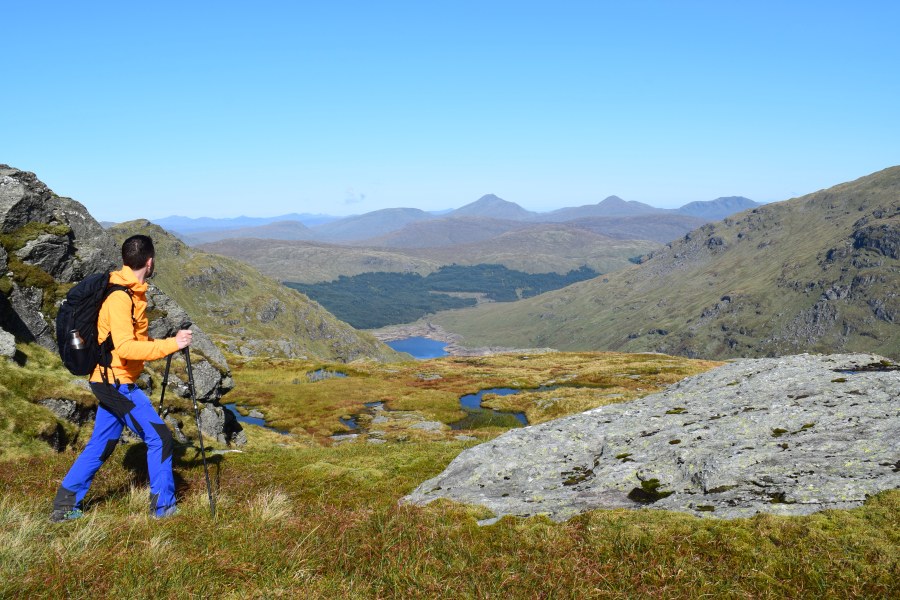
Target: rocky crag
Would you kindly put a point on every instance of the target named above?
(47, 243)
(788, 436)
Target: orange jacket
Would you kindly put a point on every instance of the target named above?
(132, 344)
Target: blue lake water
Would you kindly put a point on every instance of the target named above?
(420, 347)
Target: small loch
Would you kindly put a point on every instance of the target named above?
(420, 348)
(478, 416)
(252, 420)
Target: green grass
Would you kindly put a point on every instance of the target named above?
(325, 522)
(25, 426)
(580, 381)
(299, 518)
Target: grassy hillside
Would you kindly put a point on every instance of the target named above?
(660, 228)
(313, 262)
(298, 519)
(448, 231)
(537, 249)
(26, 427)
(282, 230)
(545, 249)
(246, 311)
(819, 273)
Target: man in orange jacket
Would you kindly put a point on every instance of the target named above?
(121, 402)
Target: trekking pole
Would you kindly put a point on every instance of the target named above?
(193, 392)
(165, 382)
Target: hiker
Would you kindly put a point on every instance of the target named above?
(120, 402)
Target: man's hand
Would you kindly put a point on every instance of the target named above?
(184, 338)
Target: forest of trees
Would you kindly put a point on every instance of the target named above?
(372, 300)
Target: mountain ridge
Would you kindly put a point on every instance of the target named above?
(368, 226)
(818, 273)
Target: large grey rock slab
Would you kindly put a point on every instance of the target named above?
(788, 436)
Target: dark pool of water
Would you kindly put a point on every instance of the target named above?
(420, 347)
(252, 420)
(323, 374)
(478, 416)
(351, 422)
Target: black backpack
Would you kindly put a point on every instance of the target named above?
(78, 315)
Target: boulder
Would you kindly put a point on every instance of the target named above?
(176, 426)
(7, 344)
(68, 409)
(221, 424)
(30, 323)
(788, 436)
(52, 253)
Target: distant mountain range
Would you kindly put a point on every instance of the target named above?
(192, 225)
(819, 273)
(376, 228)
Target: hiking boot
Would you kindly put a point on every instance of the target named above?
(65, 514)
(169, 511)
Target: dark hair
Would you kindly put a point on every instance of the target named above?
(136, 250)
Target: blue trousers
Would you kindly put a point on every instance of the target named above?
(120, 406)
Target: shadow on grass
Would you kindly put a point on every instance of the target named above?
(184, 457)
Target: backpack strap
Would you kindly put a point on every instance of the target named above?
(107, 346)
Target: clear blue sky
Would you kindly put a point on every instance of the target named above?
(149, 109)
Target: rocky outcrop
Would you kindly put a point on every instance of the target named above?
(789, 436)
(83, 250)
(48, 242)
(884, 238)
(68, 409)
(221, 424)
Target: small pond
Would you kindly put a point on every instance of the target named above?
(420, 347)
(252, 420)
(351, 422)
(322, 375)
(478, 416)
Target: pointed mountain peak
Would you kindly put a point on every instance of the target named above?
(494, 207)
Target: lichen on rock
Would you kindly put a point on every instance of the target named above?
(789, 436)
